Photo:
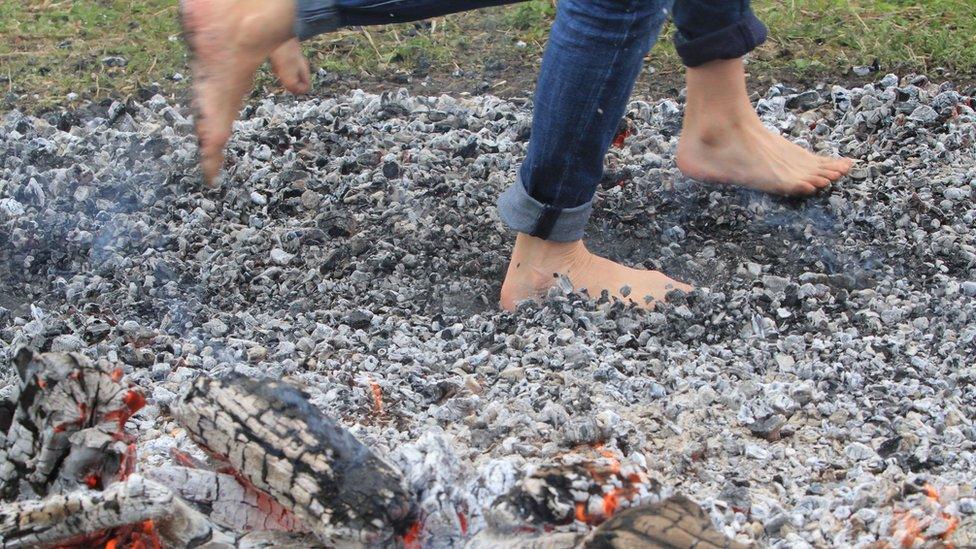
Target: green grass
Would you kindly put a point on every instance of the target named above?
(49, 48)
(832, 34)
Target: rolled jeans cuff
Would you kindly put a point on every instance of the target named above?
(315, 17)
(730, 42)
(525, 214)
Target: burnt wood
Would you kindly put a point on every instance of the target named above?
(61, 517)
(65, 431)
(675, 523)
(275, 438)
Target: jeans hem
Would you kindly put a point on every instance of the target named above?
(730, 42)
(525, 214)
(315, 17)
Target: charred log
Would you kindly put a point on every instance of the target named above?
(675, 523)
(272, 436)
(187, 528)
(60, 518)
(225, 501)
(66, 429)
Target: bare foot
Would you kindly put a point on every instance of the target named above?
(535, 262)
(228, 40)
(724, 141)
(752, 156)
(291, 67)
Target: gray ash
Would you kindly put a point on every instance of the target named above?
(825, 360)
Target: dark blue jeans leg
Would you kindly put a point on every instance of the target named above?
(593, 57)
(314, 17)
(715, 29)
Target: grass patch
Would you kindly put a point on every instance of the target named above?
(824, 35)
(50, 48)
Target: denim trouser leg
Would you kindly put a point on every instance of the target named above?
(715, 29)
(314, 17)
(593, 57)
(588, 71)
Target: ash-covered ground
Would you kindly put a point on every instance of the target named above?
(819, 377)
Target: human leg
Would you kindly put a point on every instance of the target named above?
(723, 140)
(593, 57)
(229, 39)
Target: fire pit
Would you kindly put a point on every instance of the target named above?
(279, 467)
(821, 374)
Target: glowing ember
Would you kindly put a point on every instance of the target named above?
(581, 511)
(610, 503)
(137, 536)
(411, 540)
(377, 396)
(911, 530)
(134, 401)
(185, 459)
(623, 132)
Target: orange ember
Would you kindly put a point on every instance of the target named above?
(377, 396)
(134, 401)
(117, 375)
(610, 503)
(618, 140)
(184, 459)
(464, 523)
(411, 540)
(953, 524)
(912, 531)
(913, 528)
(581, 511)
(93, 481)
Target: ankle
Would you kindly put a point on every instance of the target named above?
(263, 26)
(718, 128)
(539, 252)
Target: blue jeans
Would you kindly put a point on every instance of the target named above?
(591, 62)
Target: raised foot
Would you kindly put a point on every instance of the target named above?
(291, 67)
(535, 264)
(752, 156)
(228, 40)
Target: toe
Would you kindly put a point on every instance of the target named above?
(675, 285)
(210, 164)
(829, 174)
(303, 82)
(818, 182)
(842, 165)
(804, 188)
(291, 67)
(294, 79)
